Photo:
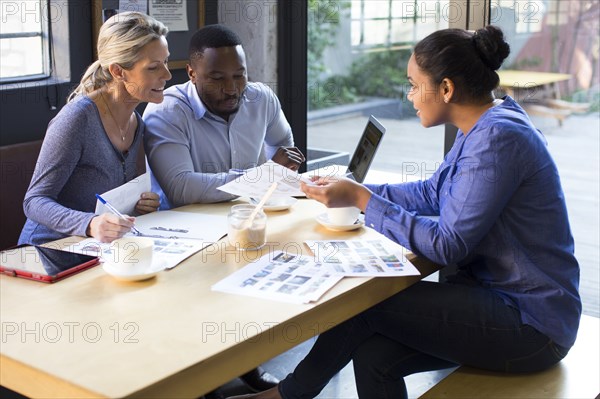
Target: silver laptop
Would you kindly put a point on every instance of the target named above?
(365, 150)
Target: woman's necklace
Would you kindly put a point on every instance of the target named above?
(123, 134)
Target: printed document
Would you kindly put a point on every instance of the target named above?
(281, 276)
(166, 253)
(176, 235)
(255, 182)
(363, 258)
(174, 224)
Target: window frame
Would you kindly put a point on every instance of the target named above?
(45, 34)
(390, 19)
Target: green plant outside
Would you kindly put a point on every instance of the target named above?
(378, 74)
(375, 74)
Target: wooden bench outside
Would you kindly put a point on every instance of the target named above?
(548, 112)
(577, 376)
(558, 109)
(567, 105)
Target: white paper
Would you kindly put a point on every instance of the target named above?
(189, 225)
(167, 253)
(363, 258)
(332, 170)
(256, 181)
(126, 196)
(172, 13)
(133, 5)
(280, 276)
(176, 235)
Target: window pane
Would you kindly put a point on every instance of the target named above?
(373, 34)
(21, 16)
(21, 57)
(376, 9)
(362, 71)
(355, 7)
(404, 9)
(402, 32)
(355, 33)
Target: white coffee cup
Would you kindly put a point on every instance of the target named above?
(342, 216)
(131, 254)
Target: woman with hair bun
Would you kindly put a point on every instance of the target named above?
(92, 144)
(513, 305)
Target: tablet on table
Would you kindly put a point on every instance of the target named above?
(43, 264)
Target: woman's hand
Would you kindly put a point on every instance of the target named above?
(337, 192)
(108, 227)
(148, 202)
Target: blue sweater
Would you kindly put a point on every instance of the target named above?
(77, 160)
(502, 219)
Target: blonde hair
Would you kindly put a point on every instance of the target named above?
(120, 40)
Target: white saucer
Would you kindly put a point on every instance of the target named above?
(276, 204)
(324, 221)
(135, 274)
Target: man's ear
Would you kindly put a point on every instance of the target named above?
(447, 89)
(191, 73)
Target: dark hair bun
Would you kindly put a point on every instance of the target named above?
(491, 46)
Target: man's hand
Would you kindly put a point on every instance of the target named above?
(290, 157)
(148, 202)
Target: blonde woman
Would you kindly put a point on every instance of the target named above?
(92, 144)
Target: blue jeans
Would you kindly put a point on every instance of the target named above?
(429, 326)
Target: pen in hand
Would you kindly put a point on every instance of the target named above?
(116, 212)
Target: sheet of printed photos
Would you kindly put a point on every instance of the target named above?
(165, 251)
(364, 258)
(281, 276)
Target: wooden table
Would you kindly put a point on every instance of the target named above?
(93, 336)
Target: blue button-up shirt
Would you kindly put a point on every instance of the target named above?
(502, 219)
(191, 150)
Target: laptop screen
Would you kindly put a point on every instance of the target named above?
(365, 150)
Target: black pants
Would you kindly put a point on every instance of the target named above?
(428, 326)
